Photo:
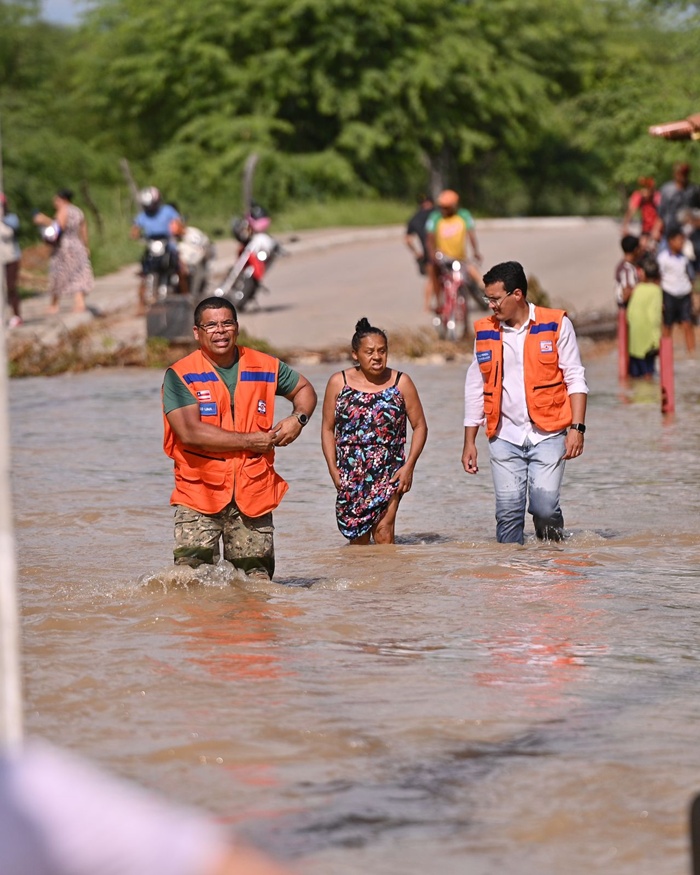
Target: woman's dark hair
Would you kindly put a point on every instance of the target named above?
(66, 194)
(362, 329)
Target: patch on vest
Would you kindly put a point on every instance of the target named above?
(484, 356)
(204, 395)
(546, 346)
(262, 407)
(208, 409)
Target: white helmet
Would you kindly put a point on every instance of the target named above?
(51, 233)
(149, 197)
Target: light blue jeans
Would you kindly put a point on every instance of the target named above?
(534, 471)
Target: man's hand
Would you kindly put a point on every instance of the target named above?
(287, 431)
(574, 444)
(262, 441)
(469, 456)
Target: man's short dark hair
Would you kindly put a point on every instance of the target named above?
(673, 231)
(629, 243)
(214, 303)
(510, 273)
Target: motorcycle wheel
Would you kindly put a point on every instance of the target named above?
(149, 289)
(456, 326)
(245, 294)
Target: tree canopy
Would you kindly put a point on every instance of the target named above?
(525, 105)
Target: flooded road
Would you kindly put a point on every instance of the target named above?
(445, 705)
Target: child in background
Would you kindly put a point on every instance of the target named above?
(626, 276)
(676, 281)
(644, 316)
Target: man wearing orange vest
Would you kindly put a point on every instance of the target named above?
(526, 385)
(220, 432)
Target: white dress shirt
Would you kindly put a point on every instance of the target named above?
(515, 425)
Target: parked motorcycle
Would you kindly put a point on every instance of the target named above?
(196, 252)
(258, 251)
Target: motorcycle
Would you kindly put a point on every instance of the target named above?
(196, 252)
(257, 254)
(159, 270)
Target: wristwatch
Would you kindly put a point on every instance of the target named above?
(302, 417)
(578, 426)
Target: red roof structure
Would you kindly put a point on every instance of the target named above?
(687, 129)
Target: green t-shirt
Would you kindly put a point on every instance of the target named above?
(176, 394)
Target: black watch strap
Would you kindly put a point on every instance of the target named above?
(578, 426)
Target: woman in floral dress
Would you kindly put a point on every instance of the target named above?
(70, 271)
(363, 436)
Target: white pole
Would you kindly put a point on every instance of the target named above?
(10, 684)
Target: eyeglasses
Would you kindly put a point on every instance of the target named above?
(496, 302)
(211, 327)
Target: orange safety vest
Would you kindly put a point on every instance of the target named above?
(207, 482)
(546, 394)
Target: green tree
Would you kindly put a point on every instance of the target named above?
(380, 92)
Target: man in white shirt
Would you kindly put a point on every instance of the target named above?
(526, 386)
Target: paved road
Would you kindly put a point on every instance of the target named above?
(317, 294)
(332, 278)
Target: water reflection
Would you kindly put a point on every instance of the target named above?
(432, 706)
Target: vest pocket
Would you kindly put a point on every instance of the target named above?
(259, 488)
(549, 394)
(203, 469)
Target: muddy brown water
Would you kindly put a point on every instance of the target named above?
(442, 705)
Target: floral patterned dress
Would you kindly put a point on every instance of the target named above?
(370, 438)
(70, 270)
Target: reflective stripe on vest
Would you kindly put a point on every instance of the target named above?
(546, 395)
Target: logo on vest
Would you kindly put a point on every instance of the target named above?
(484, 356)
(208, 409)
(262, 407)
(546, 346)
(204, 395)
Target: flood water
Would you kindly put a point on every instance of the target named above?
(445, 705)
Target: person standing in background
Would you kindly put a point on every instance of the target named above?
(677, 284)
(626, 274)
(70, 271)
(417, 243)
(645, 202)
(10, 255)
(677, 195)
(644, 316)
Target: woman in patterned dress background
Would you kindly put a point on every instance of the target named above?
(363, 436)
(70, 271)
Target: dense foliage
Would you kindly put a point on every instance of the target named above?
(526, 106)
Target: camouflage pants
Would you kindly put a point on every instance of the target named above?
(248, 542)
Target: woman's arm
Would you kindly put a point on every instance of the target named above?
(419, 429)
(334, 386)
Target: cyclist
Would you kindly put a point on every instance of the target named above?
(450, 229)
